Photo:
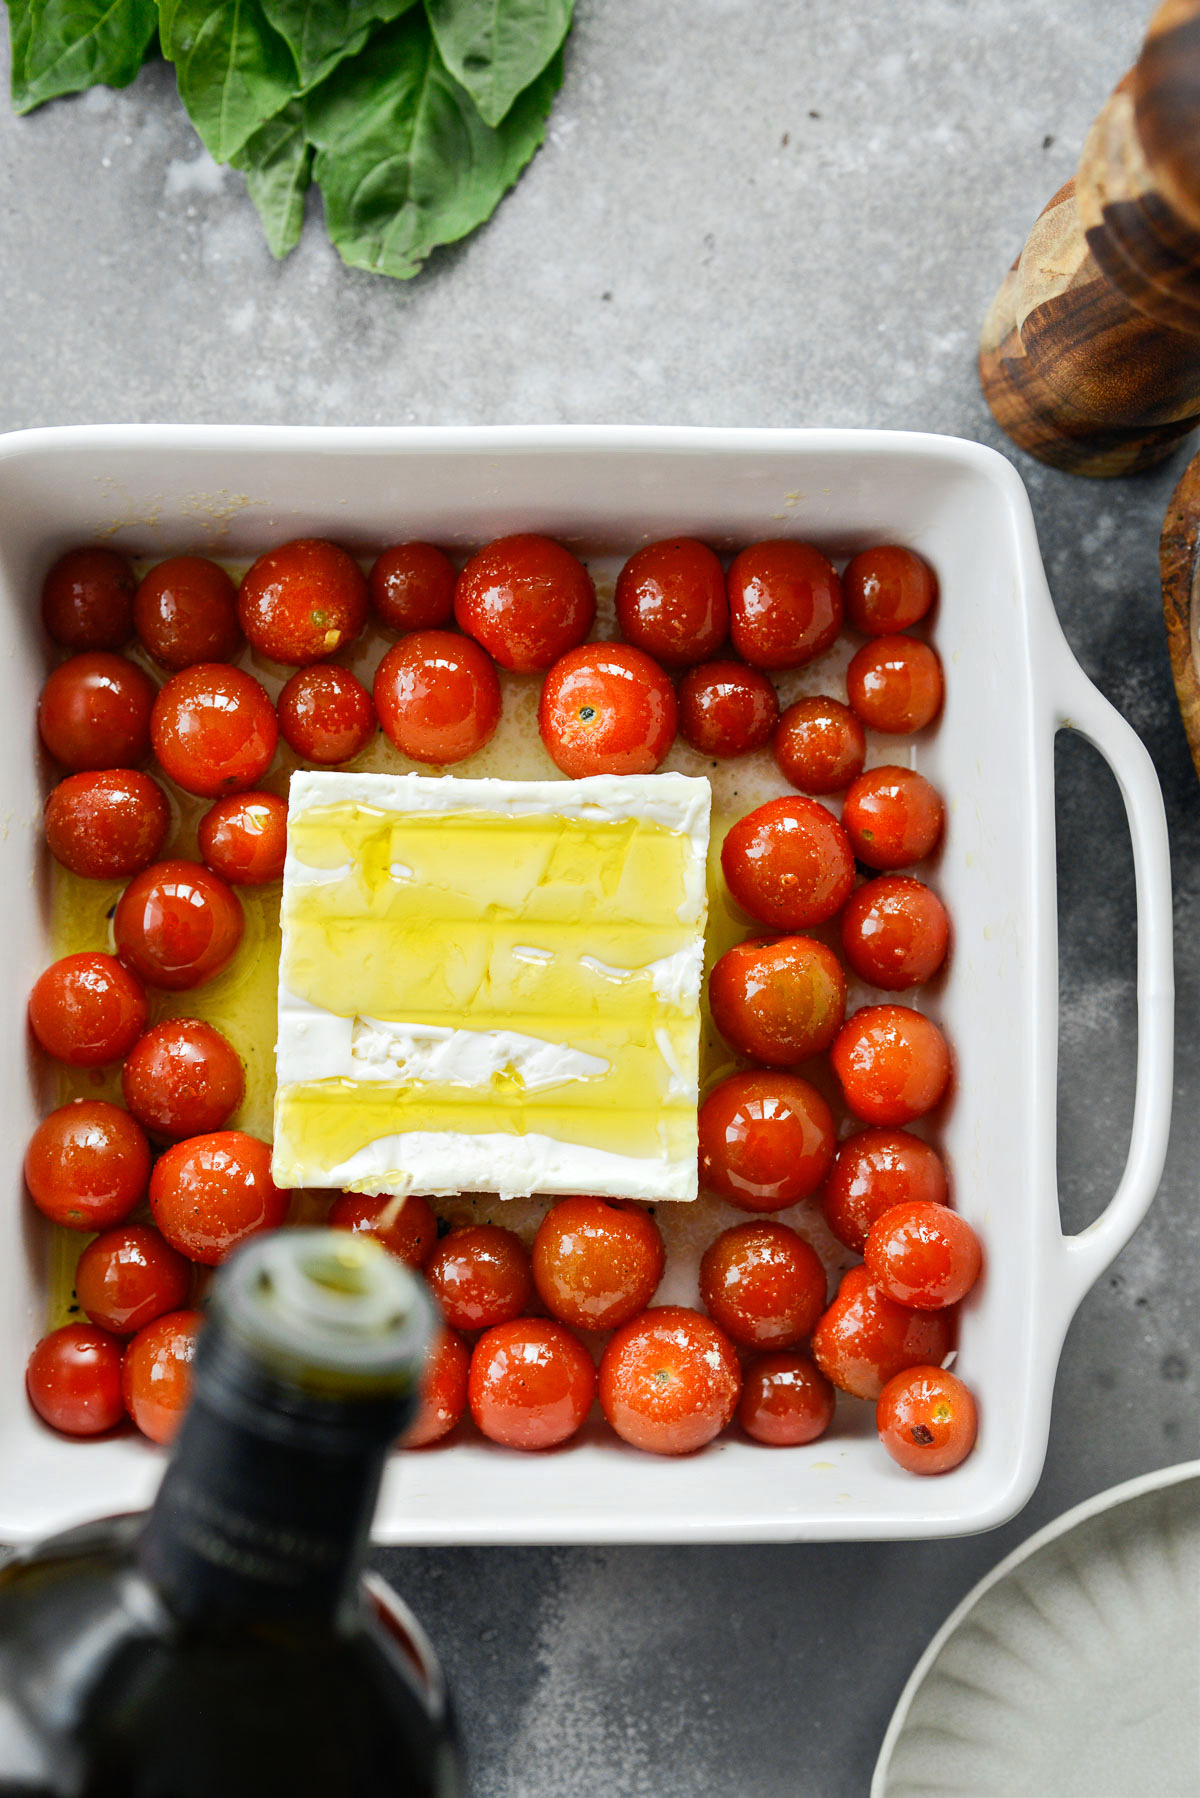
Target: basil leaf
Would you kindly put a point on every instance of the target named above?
(60, 46)
(321, 33)
(277, 162)
(235, 71)
(404, 160)
(495, 48)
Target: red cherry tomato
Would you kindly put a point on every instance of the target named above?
(87, 1165)
(209, 1193)
(527, 600)
(129, 1276)
(105, 826)
(480, 1276)
(244, 838)
(74, 1380)
(156, 1377)
(778, 1000)
(443, 1391)
(669, 1381)
(875, 1170)
(785, 604)
(786, 1400)
(895, 932)
(865, 1338)
(726, 709)
(766, 1140)
(789, 864)
(87, 1009)
(214, 729)
(326, 715)
(923, 1255)
(94, 712)
(183, 1078)
(186, 612)
(893, 1064)
(412, 587)
(596, 1263)
(437, 697)
(763, 1284)
(820, 745)
(893, 818)
(606, 708)
(403, 1223)
(887, 589)
(177, 925)
(671, 601)
(531, 1383)
(87, 600)
(926, 1420)
(303, 601)
(895, 684)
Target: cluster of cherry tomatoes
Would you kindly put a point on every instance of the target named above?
(669, 1378)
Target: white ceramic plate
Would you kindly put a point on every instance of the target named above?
(1073, 1669)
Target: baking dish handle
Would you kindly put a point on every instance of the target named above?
(1081, 706)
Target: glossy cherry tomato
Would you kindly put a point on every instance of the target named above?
(186, 612)
(156, 1377)
(438, 697)
(244, 838)
(74, 1380)
(87, 1165)
(887, 589)
(412, 587)
(894, 932)
(177, 925)
(607, 708)
(895, 684)
(820, 745)
(214, 729)
(87, 600)
(531, 1383)
(789, 863)
(597, 1263)
(865, 1338)
(671, 601)
(129, 1276)
(87, 1009)
(105, 826)
(779, 999)
(183, 1078)
(763, 1284)
(669, 1381)
(326, 714)
(893, 818)
(785, 603)
(94, 712)
(786, 1400)
(726, 709)
(402, 1222)
(303, 601)
(527, 600)
(209, 1193)
(926, 1420)
(480, 1276)
(766, 1140)
(893, 1064)
(873, 1171)
(923, 1255)
(443, 1391)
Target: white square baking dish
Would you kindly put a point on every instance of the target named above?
(1011, 684)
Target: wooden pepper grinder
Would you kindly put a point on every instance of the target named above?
(1090, 355)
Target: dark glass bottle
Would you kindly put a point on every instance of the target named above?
(227, 1645)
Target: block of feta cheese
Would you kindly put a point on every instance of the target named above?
(491, 986)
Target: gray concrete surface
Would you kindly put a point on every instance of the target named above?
(745, 214)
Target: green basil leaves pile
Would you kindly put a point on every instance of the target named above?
(413, 116)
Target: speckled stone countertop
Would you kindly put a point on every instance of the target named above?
(744, 214)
